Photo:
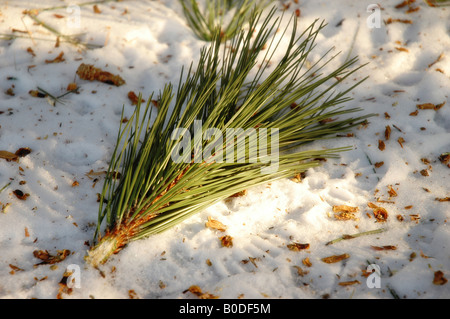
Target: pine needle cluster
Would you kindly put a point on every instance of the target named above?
(232, 86)
(215, 14)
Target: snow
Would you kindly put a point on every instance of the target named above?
(147, 43)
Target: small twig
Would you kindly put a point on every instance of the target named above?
(345, 237)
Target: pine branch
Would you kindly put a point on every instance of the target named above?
(204, 23)
(176, 165)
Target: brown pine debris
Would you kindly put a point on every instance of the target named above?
(379, 164)
(349, 283)
(437, 60)
(391, 191)
(96, 9)
(134, 98)
(239, 194)
(445, 159)
(58, 59)
(47, 258)
(91, 73)
(227, 241)
(387, 132)
(20, 195)
(306, 262)
(430, 106)
(344, 212)
(404, 4)
(297, 246)
(196, 290)
(300, 271)
(390, 20)
(72, 86)
(439, 278)
(215, 224)
(387, 247)
(335, 258)
(380, 213)
(63, 286)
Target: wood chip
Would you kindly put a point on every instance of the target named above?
(71, 86)
(306, 262)
(58, 59)
(215, 224)
(391, 191)
(379, 164)
(430, 106)
(335, 258)
(401, 49)
(388, 247)
(439, 278)
(387, 133)
(381, 145)
(349, 283)
(8, 156)
(380, 213)
(424, 172)
(297, 246)
(227, 241)
(344, 212)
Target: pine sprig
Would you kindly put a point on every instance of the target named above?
(204, 23)
(166, 176)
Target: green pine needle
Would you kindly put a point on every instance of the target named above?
(205, 23)
(228, 89)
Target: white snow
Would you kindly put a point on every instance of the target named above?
(147, 43)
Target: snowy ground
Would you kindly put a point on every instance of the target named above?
(146, 43)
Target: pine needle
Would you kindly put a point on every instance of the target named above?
(346, 237)
(170, 165)
(204, 23)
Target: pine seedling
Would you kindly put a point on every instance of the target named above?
(166, 176)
